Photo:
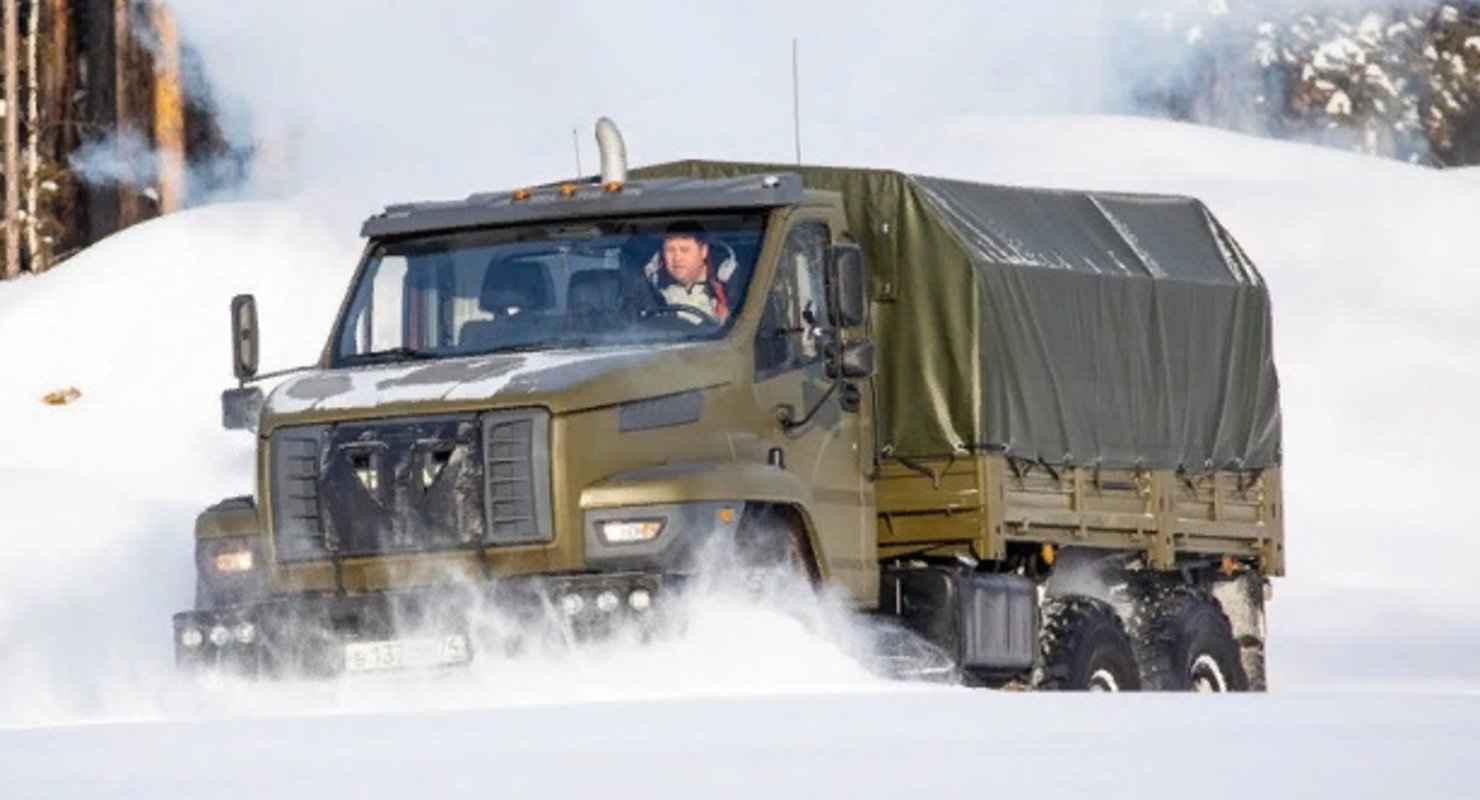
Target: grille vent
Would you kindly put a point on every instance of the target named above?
(517, 472)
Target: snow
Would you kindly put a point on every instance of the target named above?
(478, 378)
(1339, 105)
(1375, 635)
(926, 744)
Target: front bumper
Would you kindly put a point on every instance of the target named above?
(308, 634)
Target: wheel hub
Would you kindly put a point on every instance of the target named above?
(1207, 676)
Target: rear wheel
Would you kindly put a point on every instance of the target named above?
(1084, 647)
(1186, 644)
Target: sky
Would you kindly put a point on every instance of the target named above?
(378, 101)
(453, 96)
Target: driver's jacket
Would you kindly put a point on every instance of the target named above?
(708, 296)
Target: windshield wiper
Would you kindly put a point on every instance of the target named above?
(391, 354)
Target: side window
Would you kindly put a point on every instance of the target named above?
(795, 308)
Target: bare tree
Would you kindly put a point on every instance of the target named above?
(12, 264)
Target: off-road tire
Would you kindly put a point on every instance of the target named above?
(773, 538)
(1184, 643)
(1084, 647)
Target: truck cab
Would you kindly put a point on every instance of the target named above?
(508, 399)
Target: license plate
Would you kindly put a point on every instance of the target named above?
(406, 653)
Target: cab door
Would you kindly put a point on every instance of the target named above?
(827, 452)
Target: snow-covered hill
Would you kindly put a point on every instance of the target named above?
(1375, 278)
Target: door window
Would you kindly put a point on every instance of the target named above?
(791, 329)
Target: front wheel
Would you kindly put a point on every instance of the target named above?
(774, 541)
(1084, 647)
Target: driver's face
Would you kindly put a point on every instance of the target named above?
(685, 258)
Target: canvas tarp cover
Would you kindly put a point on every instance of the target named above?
(1056, 326)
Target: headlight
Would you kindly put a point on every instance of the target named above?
(572, 604)
(630, 531)
(640, 599)
(607, 601)
(233, 561)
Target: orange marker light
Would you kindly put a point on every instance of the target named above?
(567, 190)
(726, 515)
(521, 194)
(1048, 553)
(612, 186)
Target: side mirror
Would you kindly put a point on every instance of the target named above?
(241, 409)
(244, 336)
(851, 361)
(846, 280)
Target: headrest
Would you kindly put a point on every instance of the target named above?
(516, 283)
(594, 288)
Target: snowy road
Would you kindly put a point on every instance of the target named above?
(923, 744)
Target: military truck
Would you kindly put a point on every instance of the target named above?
(1040, 429)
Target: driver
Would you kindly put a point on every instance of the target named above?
(687, 277)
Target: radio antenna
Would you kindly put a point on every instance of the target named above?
(796, 100)
(575, 140)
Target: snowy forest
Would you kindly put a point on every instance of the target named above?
(105, 117)
(109, 117)
(1391, 79)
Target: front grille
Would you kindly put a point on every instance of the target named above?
(298, 525)
(517, 467)
(411, 485)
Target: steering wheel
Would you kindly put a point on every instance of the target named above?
(690, 314)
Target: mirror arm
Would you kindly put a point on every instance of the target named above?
(788, 423)
(278, 374)
(788, 419)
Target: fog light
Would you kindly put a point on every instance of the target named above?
(233, 561)
(192, 638)
(639, 599)
(607, 602)
(630, 531)
(220, 636)
(572, 604)
(245, 632)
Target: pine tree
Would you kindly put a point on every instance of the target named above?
(1392, 79)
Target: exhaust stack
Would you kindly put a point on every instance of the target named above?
(613, 152)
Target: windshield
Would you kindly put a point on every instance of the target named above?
(551, 286)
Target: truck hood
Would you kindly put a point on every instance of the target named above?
(570, 380)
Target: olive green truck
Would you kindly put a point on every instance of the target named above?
(1039, 429)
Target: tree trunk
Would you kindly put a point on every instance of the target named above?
(169, 113)
(34, 132)
(12, 265)
(132, 113)
(59, 85)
